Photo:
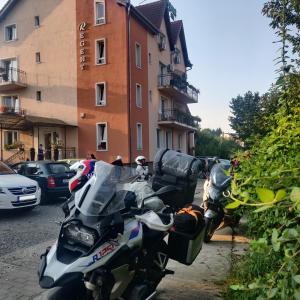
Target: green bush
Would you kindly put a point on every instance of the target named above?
(266, 188)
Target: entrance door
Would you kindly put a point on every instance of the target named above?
(48, 146)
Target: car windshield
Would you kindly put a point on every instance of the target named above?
(105, 192)
(5, 170)
(218, 176)
(59, 168)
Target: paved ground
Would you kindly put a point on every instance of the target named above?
(24, 236)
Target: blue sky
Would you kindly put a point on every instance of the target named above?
(230, 46)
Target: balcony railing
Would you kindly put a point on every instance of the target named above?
(172, 80)
(174, 115)
(4, 109)
(12, 78)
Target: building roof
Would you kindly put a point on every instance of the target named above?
(155, 12)
(20, 122)
(7, 7)
(178, 32)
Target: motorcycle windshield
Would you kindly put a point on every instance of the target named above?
(104, 193)
(218, 177)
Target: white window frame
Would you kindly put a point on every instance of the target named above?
(138, 58)
(139, 143)
(96, 52)
(15, 100)
(97, 135)
(97, 94)
(13, 138)
(140, 102)
(95, 13)
(8, 41)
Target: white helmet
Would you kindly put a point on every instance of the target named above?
(119, 157)
(139, 159)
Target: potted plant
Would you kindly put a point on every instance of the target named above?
(16, 145)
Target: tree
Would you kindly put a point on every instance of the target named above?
(285, 19)
(210, 143)
(245, 115)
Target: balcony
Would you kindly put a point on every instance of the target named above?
(177, 87)
(11, 110)
(177, 119)
(12, 79)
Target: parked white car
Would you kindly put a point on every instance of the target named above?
(17, 191)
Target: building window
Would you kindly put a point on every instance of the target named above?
(101, 137)
(100, 12)
(179, 141)
(139, 136)
(177, 57)
(139, 101)
(10, 137)
(38, 96)
(38, 57)
(150, 58)
(100, 52)
(150, 96)
(162, 106)
(162, 42)
(37, 21)
(168, 139)
(100, 94)
(158, 138)
(11, 33)
(138, 55)
(10, 104)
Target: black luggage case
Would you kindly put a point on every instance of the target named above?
(185, 247)
(177, 169)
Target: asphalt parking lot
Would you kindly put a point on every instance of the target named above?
(25, 235)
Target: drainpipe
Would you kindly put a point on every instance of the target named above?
(129, 77)
(65, 142)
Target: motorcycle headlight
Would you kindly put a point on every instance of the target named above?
(81, 235)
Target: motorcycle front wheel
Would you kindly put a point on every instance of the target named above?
(209, 229)
(74, 292)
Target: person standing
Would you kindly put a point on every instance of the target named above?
(41, 152)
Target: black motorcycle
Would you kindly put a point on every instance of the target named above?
(218, 190)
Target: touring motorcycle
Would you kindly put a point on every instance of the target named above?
(112, 243)
(216, 192)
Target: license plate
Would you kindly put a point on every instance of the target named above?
(66, 180)
(26, 198)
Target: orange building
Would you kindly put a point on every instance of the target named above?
(93, 76)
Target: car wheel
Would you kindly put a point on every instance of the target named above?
(44, 198)
(25, 209)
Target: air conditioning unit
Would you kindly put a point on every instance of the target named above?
(100, 21)
(101, 102)
(171, 68)
(100, 61)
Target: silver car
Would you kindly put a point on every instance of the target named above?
(17, 191)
